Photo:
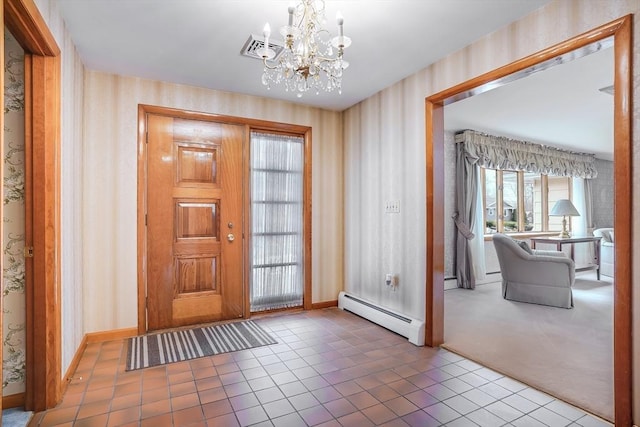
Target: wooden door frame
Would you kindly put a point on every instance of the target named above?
(621, 30)
(250, 125)
(42, 181)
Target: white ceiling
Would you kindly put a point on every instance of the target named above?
(198, 42)
(561, 106)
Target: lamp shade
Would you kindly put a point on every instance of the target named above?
(564, 207)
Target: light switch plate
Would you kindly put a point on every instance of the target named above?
(392, 206)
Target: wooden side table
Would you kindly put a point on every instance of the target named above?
(559, 241)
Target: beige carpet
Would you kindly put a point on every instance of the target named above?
(566, 353)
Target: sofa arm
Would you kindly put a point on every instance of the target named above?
(550, 270)
(605, 233)
(539, 252)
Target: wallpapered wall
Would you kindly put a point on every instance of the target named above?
(72, 148)
(602, 193)
(386, 132)
(99, 171)
(110, 194)
(450, 231)
(13, 334)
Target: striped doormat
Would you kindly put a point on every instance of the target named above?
(175, 346)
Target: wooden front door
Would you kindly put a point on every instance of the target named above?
(194, 221)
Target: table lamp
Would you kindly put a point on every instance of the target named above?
(564, 208)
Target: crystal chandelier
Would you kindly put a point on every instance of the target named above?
(312, 59)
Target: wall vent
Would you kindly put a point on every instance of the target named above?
(254, 43)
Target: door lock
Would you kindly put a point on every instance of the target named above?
(230, 237)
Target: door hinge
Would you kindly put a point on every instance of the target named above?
(28, 251)
(146, 303)
(145, 219)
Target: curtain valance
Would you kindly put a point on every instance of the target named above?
(497, 152)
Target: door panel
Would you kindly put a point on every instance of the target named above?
(194, 210)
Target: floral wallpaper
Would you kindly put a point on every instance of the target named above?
(13, 336)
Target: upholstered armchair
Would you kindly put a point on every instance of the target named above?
(607, 250)
(534, 276)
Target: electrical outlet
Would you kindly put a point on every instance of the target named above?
(392, 206)
(391, 281)
(388, 279)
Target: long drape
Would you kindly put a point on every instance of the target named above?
(470, 263)
(277, 250)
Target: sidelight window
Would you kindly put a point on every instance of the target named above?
(277, 249)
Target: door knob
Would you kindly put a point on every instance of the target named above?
(230, 237)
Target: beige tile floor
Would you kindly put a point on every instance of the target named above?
(329, 368)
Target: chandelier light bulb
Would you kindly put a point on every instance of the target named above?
(265, 52)
(340, 20)
(266, 32)
(292, 9)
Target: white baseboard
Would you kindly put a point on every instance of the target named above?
(451, 282)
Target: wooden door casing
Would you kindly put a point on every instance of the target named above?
(241, 229)
(621, 31)
(43, 366)
(194, 221)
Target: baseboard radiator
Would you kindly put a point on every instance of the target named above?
(413, 329)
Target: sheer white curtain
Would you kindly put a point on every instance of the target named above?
(477, 243)
(582, 225)
(277, 249)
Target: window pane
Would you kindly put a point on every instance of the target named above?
(277, 279)
(490, 201)
(532, 202)
(558, 189)
(510, 201)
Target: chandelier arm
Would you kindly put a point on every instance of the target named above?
(325, 69)
(302, 15)
(325, 59)
(322, 9)
(267, 66)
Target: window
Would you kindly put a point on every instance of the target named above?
(518, 201)
(277, 249)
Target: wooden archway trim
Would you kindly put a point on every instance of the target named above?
(42, 182)
(620, 29)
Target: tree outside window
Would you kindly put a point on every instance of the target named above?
(518, 201)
